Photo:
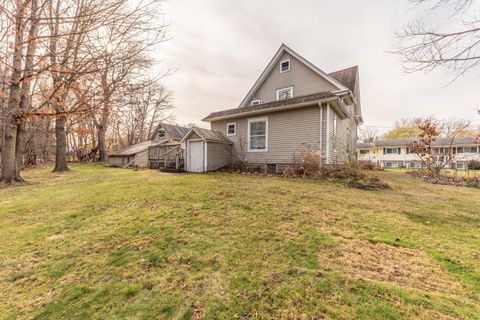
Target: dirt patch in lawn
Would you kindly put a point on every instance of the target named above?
(404, 267)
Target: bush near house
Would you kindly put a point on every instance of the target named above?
(473, 165)
(103, 243)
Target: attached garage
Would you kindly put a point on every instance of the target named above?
(206, 150)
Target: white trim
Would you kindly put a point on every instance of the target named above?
(205, 157)
(282, 89)
(234, 131)
(321, 133)
(282, 62)
(283, 48)
(327, 132)
(269, 110)
(266, 134)
(256, 102)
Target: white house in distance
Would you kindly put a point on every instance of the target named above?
(396, 154)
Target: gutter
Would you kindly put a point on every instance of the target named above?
(269, 110)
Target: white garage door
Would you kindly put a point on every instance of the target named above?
(195, 156)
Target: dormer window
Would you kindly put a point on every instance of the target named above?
(285, 66)
(161, 133)
(285, 93)
(256, 102)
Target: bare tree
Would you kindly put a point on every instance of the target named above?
(425, 48)
(146, 105)
(368, 134)
(430, 130)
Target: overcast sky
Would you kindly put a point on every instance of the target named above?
(220, 48)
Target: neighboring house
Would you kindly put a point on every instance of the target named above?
(293, 107)
(396, 153)
(141, 155)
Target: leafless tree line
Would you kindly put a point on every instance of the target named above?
(72, 76)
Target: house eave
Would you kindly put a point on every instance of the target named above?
(270, 110)
(271, 65)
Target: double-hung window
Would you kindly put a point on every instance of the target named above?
(258, 135)
(231, 129)
(285, 66)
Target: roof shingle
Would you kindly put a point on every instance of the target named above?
(272, 105)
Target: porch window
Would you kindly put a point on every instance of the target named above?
(257, 135)
(231, 129)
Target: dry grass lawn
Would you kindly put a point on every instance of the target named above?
(102, 243)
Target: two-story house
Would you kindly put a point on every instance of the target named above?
(396, 153)
(292, 107)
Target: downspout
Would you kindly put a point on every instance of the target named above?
(321, 135)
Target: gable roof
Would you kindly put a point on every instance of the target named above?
(273, 106)
(208, 135)
(272, 64)
(173, 131)
(347, 76)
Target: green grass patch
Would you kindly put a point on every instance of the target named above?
(121, 244)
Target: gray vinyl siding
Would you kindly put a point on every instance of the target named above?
(194, 136)
(341, 147)
(115, 161)
(324, 127)
(218, 155)
(289, 133)
(303, 80)
(141, 159)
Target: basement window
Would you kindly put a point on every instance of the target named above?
(285, 66)
(271, 168)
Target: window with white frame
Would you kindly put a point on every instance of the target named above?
(285, 93)
(231, 129)
(391, 151)
(258, 135)
(335, 130)
(284, 65)
(256, 102)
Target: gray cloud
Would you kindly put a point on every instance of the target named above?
(221, 47)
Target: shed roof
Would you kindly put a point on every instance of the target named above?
(133, 149)
(208, 135)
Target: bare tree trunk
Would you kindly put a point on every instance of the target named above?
(61, 145)
(25, 91)
(10, 132)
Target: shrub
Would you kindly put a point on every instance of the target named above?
(473, 165)
(307, 166)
